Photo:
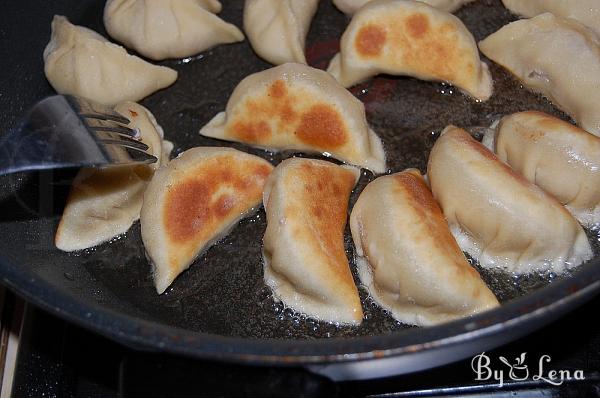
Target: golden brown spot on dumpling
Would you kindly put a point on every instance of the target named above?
(133, 113)
(106, 181)
(187, 210)
(252, 131)
(370, 40)
(266, 114)
(278, 89)
(326, 209)
(262, 171)
(322, 126)
(417, 25)
(224, 204)
(195, 207)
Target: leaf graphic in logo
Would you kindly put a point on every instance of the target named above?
(505, 361)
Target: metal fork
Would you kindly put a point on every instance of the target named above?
(66, 131)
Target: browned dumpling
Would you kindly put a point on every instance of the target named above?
(195, 200)
(408, 259)
(562, 159)
(496, 215)
(105, 202)
(402, 37)
(296, 107)
(304, 259)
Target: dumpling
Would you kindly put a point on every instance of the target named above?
(277, 29)
(351, 6)
(585, 11)
(496, 215)
(80, 62)
(160, 29)
(402, 37)
(541, 52)
(105, 202)
(304, 259)
(294, 106)
(562, 159)
(408, 259)
(193, 202)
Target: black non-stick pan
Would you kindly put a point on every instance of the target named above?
(220, 308)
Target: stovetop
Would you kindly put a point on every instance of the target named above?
(59, 359)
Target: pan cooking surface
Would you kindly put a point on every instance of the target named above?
(223, 292)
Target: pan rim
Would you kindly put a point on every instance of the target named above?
(147, 335)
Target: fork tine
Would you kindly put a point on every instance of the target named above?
(105, 133)
(125, 141)
(112, 116)
(93, 110)
(118, 150)
(111, 126)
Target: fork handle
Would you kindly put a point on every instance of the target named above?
(12, 159)
(25, 148)
(52, 135)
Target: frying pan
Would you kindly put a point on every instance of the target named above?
(220, 309)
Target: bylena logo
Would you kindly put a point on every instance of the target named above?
(518, 371)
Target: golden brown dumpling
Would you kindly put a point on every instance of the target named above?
(402, 37)
(194, 201)
(304, 259)
(296, 107)
(408, 259)
(496, 215)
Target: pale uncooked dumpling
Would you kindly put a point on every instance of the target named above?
(351, 6)
(294, 106)
(496, 215)
(193, 202)
(559, 58)
(160, 29)
(402, 37)
(407, 258)
(562, 159)
(277, 29)
(105, 202)
(585, 11)
(304, 259)
(78, 61)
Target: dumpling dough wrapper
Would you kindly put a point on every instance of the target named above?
(407, 257)
(79, 61)
(105, 202)
(496, 215)
(410, 38)
(560, 158)
(305, 263)
(296, 107)
(193, 202)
